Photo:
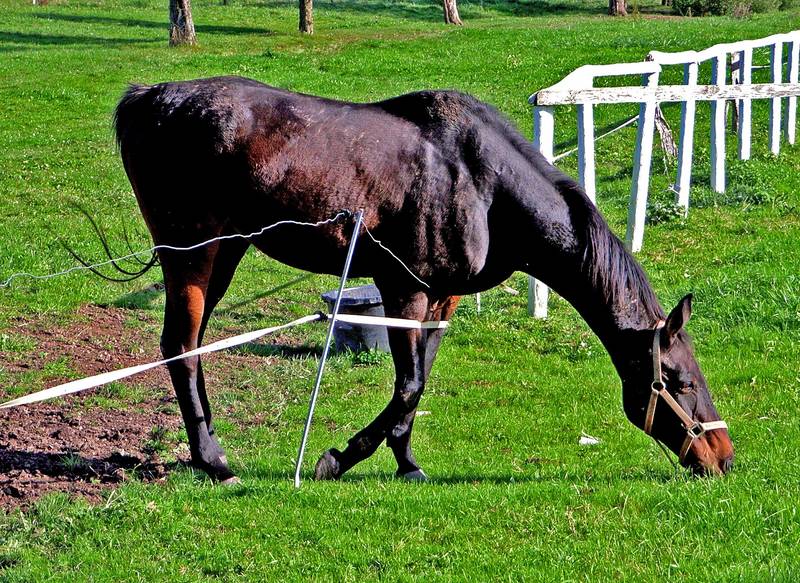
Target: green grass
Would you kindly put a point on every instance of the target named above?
(511, 496)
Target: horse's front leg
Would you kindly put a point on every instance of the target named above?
(399, 438)
(408, 353)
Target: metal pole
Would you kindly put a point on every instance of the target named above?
(326, 347)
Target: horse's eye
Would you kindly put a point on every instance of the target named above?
(687, 388)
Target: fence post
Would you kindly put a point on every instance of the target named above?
(719, 70)
(586, 149)
(642, 157)
(776, 66)
(685, 150)
(791, 103)
(745, 105)
(543, 132)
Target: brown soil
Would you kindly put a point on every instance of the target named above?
(80, 445)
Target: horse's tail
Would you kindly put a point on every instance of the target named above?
(126, 274)
(130, 106)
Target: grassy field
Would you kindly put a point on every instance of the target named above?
(511, 496)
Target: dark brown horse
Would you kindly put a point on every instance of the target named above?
(445, 182)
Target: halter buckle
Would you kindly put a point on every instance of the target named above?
(657, 386)
(696, 430)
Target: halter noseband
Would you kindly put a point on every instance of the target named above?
(694, 429)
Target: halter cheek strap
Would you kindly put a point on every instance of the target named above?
(694, 429)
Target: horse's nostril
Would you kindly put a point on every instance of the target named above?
(726, 464)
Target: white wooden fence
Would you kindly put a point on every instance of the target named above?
(578, 89)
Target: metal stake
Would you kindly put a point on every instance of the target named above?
(326, 347)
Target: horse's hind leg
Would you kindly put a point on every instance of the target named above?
(226, 260)
(186, 276)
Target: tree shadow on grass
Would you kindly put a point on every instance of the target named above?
(431, 10)
(160, 25)
(428, 11)
(24, 38)
(541, 8)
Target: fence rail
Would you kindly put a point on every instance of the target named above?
(578, 89)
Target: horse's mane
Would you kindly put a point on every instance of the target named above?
(611, 267)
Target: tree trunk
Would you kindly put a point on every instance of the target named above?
(451, 12)
(617, 8)
(307, 16)
(181, 25)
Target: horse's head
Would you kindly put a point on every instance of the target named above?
(666, 395)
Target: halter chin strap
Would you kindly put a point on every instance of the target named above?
(694, 429)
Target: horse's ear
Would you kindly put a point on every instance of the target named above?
(677, 318)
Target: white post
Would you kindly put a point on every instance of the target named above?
(790, 127)
(718, 74)
(642, 156)
(543, 132)
(327, 346)
(776, 65)
(586, 149)
(685, 150)
(745, 107)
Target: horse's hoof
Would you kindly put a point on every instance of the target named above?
(415, 476)
(232, 481)
(327, 467)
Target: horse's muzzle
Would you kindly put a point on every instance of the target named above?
(713, 455)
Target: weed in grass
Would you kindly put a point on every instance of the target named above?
(372, 357)
(114, 391)
(168, 408)
(13, 343)
(72, 462)
(664, 211)
(59, 368)
(157, 440)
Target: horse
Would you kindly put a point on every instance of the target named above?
(448, 185)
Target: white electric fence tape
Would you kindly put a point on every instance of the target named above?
(104, 378)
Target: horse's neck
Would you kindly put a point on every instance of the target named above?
(611, 316)
(611, 324)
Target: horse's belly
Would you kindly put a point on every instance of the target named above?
(317, 254)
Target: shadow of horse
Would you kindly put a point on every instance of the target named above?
(605, 478)
(74, 467)
(279, 350)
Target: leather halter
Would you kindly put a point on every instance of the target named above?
(694, 429)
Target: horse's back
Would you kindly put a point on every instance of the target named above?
(200, 113)
(237, 152)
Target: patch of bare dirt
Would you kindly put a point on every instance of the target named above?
(76, 445)
(81, 451)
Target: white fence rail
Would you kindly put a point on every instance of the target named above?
(578, 89)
